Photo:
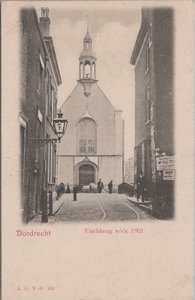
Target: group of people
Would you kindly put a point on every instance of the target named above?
(140, 186)
(100, 186)
(62, 189)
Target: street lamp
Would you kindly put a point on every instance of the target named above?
(60, 125)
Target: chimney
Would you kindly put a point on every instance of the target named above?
(45, 21)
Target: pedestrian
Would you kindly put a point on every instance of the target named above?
(68, 191)
(60, 190)
(141, 186)
(100, 186)
(110, 186)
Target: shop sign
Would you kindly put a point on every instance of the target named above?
(168, 174)
(165, 163)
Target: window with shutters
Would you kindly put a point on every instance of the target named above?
(87, 136)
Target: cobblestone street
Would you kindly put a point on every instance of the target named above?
(86, 208)
(98, 208)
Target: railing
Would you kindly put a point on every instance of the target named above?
(125, 188)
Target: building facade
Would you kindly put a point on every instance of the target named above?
(40, 78)
(154, 120)
(93, 145)
(129, 171)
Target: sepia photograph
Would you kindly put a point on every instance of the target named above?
(94, 142)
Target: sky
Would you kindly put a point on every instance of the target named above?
(114, 27)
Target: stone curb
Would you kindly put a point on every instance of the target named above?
(142, 205)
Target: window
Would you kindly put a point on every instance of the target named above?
(40, 77)
(150, 35)
(148, 104)
(47, 94)
(52, 104)
(87, 69)
(55, 105)
(54, 164)
(87, 136)
(23, 121)
(40, 74)
(50, 100)
(147, 59)
(51, 163)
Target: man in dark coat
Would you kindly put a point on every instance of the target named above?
(60, 190)
(110, 186)
(68, 191)
(100, 186)
(141, 186)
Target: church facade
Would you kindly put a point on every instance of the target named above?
(93, 146)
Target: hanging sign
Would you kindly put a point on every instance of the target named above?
(168, 174)
(165, 163)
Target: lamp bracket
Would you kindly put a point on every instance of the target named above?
(39, 142)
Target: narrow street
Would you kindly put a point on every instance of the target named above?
(98, 208)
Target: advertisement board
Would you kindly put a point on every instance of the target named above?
(165, 163)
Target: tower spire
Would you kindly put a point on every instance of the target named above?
(87, 62)
(87, 24)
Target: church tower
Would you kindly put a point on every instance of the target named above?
(87, 65)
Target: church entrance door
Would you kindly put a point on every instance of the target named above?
(86, 174)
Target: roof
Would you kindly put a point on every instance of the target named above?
(87, 53)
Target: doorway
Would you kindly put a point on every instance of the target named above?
(86, 174)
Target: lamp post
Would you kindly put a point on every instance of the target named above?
(59, 128)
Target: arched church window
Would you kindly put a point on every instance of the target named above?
(87, 136)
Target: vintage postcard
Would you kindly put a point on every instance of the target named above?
(97, 150)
